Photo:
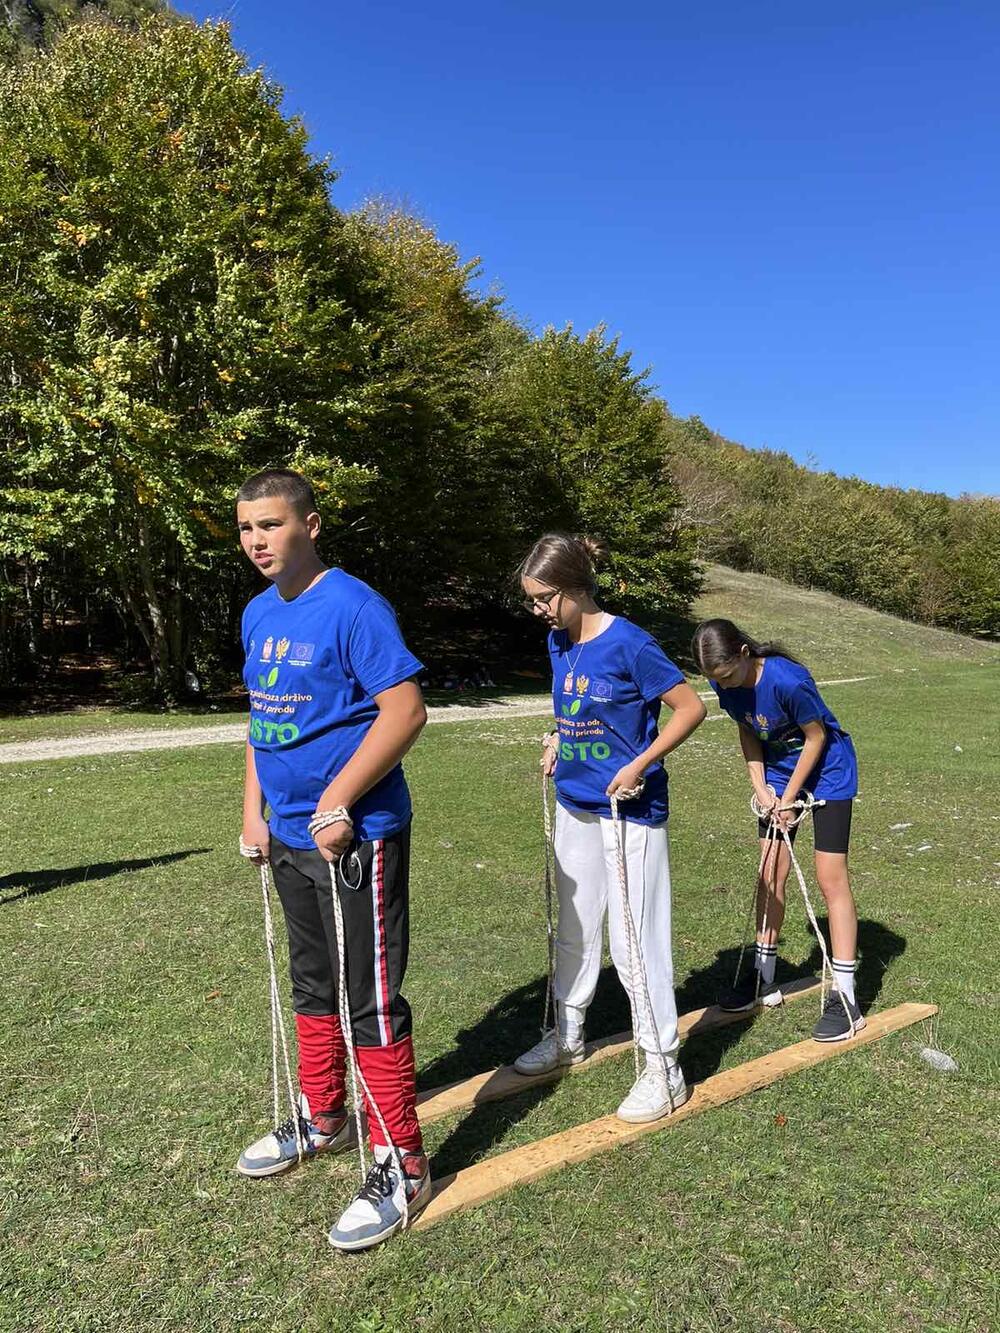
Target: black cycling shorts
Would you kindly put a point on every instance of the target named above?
(831, 826)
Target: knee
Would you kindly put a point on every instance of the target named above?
(834, 885)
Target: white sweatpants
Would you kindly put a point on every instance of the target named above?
(587, 885)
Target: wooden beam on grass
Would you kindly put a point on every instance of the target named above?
(496, 1175)
(497, 1084)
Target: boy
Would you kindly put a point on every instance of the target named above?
(334, 706)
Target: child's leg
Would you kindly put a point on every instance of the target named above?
(647, 870)
(376, 927)
(581, 887)
(832, 830)
(776, 864)
(322, 1052)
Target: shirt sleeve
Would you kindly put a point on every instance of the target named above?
(802, 702)
(654, 673)
(378, 656)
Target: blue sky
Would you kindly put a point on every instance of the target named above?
(790, 212)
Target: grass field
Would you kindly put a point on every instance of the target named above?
(858, 1195)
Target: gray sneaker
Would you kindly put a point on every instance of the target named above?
(834, 1024)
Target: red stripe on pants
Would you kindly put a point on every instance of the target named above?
(322, 1061)
(391, 1076)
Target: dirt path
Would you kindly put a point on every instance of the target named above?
(228, 733)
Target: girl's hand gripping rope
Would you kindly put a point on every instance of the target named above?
(550, 753)
(627, 783)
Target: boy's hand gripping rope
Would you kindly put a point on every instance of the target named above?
(323, 819)
(278, 1030)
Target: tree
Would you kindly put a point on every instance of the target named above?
(170, 313)
(28, 23)
(585, 451)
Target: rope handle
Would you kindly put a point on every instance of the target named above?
(804, 804)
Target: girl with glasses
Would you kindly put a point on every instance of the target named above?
(609, 681)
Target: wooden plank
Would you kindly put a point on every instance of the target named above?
(495, 1175)
(496, 1084)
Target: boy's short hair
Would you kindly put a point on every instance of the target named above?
(291, 486)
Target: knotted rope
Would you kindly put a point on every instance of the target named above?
(278, 1030)
(321, 820)
(636, 965)
(777, 832)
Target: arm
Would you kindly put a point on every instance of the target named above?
(688, 712)
(401, 717)
(550, 751)
(753, 753)
(255, 831)
(815, 734)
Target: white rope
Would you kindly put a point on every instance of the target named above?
(278, 1030)
(805, 805)
(636, 963)
(550, 934)
(321, 820)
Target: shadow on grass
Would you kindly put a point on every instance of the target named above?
(878, 947)
(34, 882)
(511, 1026)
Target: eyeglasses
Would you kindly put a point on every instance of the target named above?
(529, 603)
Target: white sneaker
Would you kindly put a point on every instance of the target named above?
(552, 1051)
(652, 1096)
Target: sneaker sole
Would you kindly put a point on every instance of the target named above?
(647, 1117)
(843, 1036)
(415, 1207)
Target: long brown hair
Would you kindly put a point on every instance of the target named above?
(716, 643)
(564, 562)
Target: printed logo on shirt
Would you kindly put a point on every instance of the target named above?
(568, 683)
(265, 682)
(582, 685)
(282, 649)
(267, 650)
(601, 689)
(302, 654)
(571, 710)
(263, 730)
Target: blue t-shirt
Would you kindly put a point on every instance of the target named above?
(775, 710)
(312, 667)
(606, 695)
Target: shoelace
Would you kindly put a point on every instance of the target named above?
(286, 1130)
(378, 1183)
(833, 1002)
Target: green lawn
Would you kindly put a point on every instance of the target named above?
(858, 1195)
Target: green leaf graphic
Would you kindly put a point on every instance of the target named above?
(261, 681)
(272, 676)
(565, 709)
(574, 707)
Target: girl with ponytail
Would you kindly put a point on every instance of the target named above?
(609, 679)
(791, 743)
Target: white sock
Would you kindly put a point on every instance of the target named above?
(843, 976)
(766, 956)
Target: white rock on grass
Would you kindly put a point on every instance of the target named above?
(938, 1060)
